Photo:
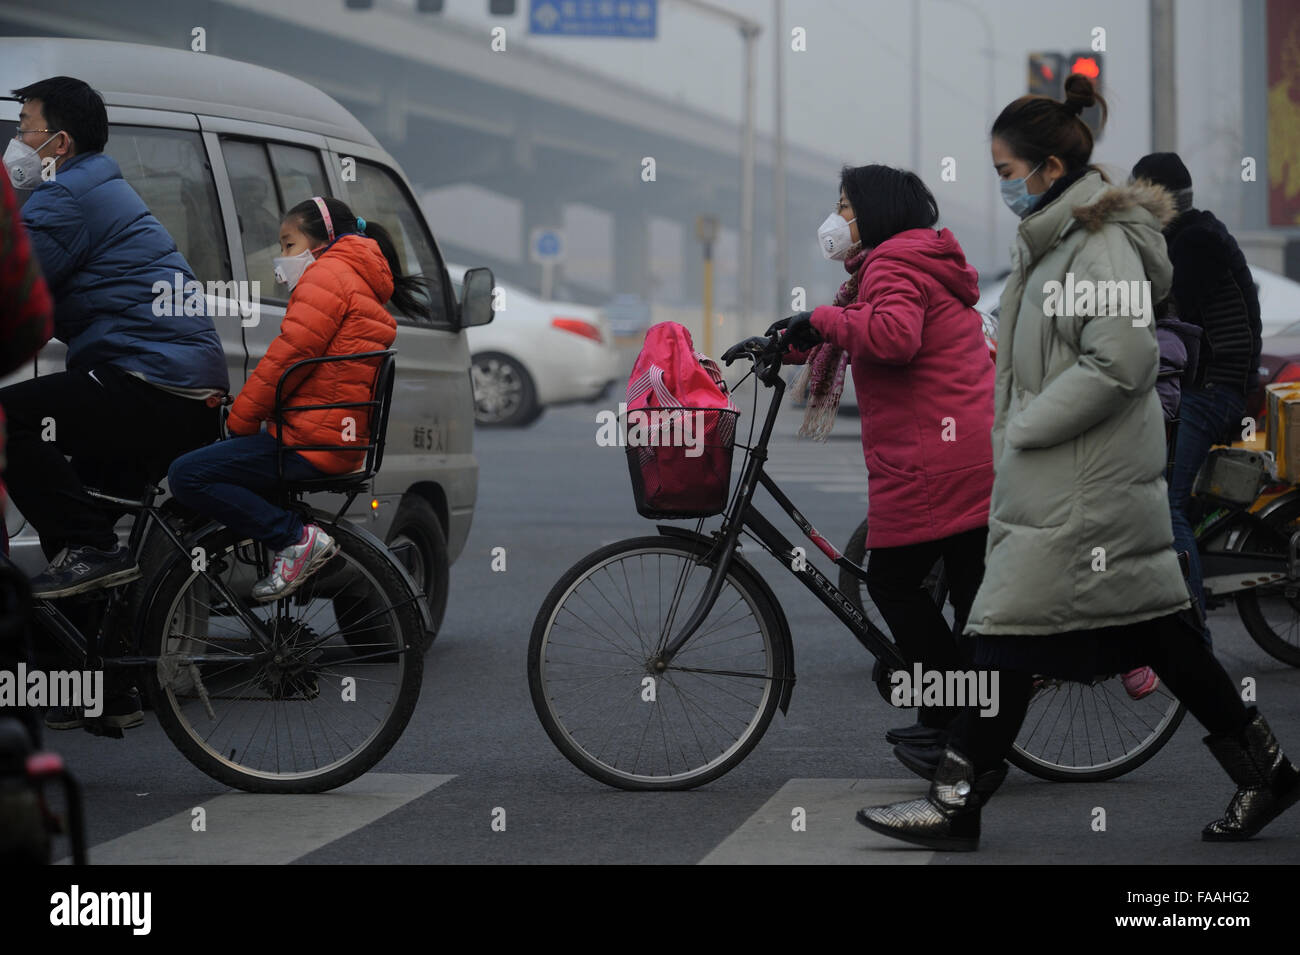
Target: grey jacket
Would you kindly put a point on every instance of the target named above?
(1079, 529)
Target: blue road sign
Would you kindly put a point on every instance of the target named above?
(546, 245)
(610, 18)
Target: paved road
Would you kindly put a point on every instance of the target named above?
(549, 495)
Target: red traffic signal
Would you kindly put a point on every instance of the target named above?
(1045, 74)
(1089, 66)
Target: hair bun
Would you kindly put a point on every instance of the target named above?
(1079, 93)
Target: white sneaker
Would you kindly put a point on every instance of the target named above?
(295, 564)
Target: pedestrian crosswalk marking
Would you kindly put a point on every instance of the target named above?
(255, 829)
(832, 836)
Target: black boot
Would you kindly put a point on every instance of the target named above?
(948, 818)
(918, 734)
(1267, 783)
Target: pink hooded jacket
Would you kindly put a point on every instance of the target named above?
(924, 383)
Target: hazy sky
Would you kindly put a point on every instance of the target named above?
(849, 94)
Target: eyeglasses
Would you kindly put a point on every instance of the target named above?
(20, 133)
(841, 205)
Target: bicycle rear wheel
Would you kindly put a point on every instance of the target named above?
(315, 710)
(1089, 732)
(1073, 732)
(602, 700)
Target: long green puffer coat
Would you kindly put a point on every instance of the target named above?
(1079, 529)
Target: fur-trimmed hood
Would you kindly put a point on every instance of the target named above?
(1117, 200)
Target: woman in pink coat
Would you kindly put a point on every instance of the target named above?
(924, 381)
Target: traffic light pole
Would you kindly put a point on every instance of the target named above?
(1164, 104)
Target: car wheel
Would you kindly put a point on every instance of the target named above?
(417, 539)
(504, 394)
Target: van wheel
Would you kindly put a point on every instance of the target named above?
(504, 394)
(416, 537)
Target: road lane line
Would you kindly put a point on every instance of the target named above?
(832, 835)
(256, 829)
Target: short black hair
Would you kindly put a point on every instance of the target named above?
(71, 105)
(887, 201)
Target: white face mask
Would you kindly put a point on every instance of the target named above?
(834, 237)
(289, 268)
(24, 163)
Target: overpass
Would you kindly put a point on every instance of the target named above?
(538, 130)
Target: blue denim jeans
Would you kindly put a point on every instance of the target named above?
(1205, 417)
(229, 481)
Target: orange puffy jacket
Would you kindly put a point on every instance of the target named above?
(335, 309)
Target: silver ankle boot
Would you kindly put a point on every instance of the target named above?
(1267, 782)
(948, 818)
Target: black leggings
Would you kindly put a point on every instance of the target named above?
(895, 581)
(1171, 645)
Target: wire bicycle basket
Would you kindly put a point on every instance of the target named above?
(680, 460)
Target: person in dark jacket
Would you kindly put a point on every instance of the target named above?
(1213, 290)
(143, 383)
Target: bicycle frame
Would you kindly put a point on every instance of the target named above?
(741, 515)
(52, 619)
(70, 638)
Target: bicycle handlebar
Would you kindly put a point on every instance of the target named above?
(764, 351)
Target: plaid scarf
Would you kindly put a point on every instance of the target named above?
(821, 380)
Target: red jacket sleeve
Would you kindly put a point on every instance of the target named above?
(26, 312)
(885, 324)
(317, 307)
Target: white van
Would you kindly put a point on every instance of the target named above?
(219, 150)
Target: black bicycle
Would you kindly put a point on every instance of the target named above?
(657, 663)
(298, 695)
(1248, 539)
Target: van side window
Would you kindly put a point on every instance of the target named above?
(169, 170)
(298, 173)
(378, 194)
(268, 179)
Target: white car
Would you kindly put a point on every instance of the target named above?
(1279, 299)
(537, 353)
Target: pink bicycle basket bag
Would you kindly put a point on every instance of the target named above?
(680, 426)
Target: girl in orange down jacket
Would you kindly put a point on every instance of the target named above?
(340, 270)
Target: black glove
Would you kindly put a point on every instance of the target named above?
(800, 334)
(784, 323)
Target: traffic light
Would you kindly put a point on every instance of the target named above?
(501, 8)
(1045, 76)
(1089, 64)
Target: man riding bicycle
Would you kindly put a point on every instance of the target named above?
(142, 384)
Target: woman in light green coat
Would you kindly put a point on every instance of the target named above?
(1081, 578)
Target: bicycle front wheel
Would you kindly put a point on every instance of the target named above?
(318, 707)
(601, 697)
(1089, 732)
